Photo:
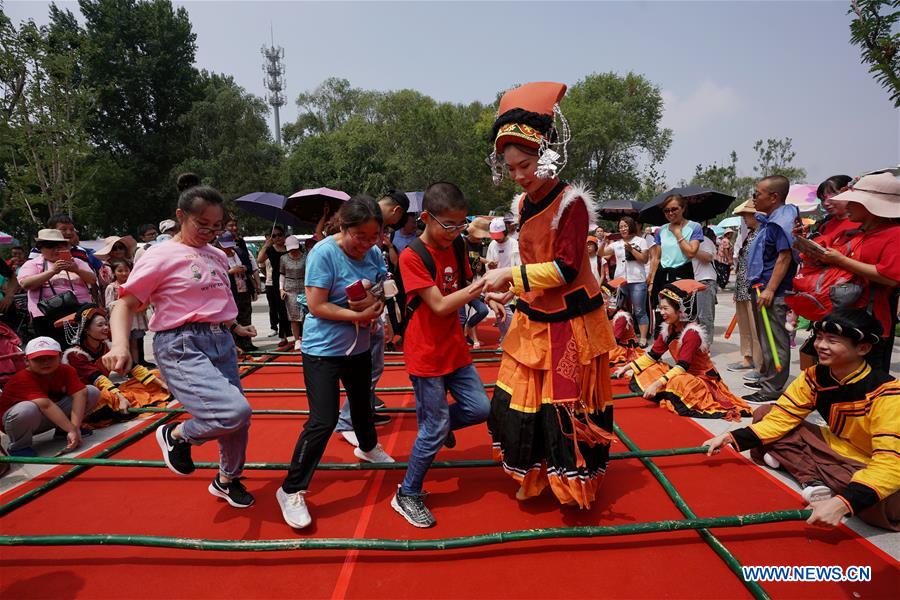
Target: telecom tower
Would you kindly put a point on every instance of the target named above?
(274, 81)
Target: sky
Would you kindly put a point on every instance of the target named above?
(730, 73)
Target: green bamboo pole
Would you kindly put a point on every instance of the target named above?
(387, 364)
(77, 470)
(391, 545)
(768, 326)
(752, 586)
(362, 466)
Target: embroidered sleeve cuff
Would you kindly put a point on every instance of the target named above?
(641, 363)
(105, 384)
(745, 438)
(859, 497)
(535, 277)
(671, 373)
(142, 374)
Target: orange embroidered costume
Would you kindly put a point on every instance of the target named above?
(551, 413)
(693, 387)
(627, 349)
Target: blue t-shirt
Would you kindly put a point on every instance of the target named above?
(670, 254)
(773, 237)
(328, 267)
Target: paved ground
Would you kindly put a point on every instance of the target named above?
(723, 352)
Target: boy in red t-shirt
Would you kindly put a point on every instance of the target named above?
(45, 395)
(437, 356)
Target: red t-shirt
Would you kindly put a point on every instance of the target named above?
(880, 248)
(433, 346)
(25, 385)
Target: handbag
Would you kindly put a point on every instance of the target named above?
(58, 305)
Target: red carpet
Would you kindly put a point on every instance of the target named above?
(464, 501)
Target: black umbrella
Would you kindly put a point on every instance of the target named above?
(268, 206)
(613, 209)
(702, 204)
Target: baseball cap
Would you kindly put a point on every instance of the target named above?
(166, 225)
(42, 346)
(292, 243)
(226, 240)
(498, 228)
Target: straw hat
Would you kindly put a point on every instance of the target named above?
(745, 208)
(51, 235)
(880, 194)
(127, 241)
(479, 228)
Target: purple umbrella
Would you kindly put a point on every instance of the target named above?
(308, 205)
(613, 209)
(268, 206)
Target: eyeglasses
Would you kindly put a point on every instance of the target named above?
(368, 241)
(453, 228)
(214, 230)
(671, 210)
(757, 194)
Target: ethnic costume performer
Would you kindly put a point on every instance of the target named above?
(851, 466)
(627, 348)
(88, 332)
(693, 387)
(551, 413)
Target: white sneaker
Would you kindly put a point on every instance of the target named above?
(350, 437)
(297, 344)
(293, 508)
(771, 461)
(375, 455)
(816, 493)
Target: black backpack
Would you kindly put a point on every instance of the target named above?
(459, 249)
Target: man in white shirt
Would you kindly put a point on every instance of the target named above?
(501, 253)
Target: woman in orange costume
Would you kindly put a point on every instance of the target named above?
(627, 348)
(693, 387)
(88, 332)
(551, 414)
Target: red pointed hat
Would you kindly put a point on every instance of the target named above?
(538, 97)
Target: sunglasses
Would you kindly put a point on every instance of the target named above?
(757, 194)
(669, 211)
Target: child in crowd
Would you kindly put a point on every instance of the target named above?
(46, 395)
(851, 466)
(435, 270)
(693, 387)
(186, 279)
(121, 269)
(627, 348)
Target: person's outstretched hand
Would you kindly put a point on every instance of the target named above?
(829, 512)
(716, 444)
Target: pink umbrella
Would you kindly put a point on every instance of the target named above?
(308, 205)
(6, 239)
(803, 196)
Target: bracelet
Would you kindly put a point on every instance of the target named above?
(679, 240)
(234, 325)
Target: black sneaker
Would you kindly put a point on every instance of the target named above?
(753, 385)
(380, 419)
(234, 492)
(450, 442)
(176, 453)
(379, 403)
(757, 398)
(413, 509)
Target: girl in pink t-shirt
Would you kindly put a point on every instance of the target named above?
(186, 280)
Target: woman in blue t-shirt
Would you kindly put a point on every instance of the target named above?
(676, 244)
(335, 347)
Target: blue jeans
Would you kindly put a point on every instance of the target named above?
(199, 364)
(637, 293)
(481, 311)
(437, 417)
(377, 349)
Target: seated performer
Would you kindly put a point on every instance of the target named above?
(693, 387)
(627, 348)
(857, 454)
(88, 332)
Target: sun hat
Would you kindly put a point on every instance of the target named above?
(498, 228)
(292, 243)
(51, 235)
(42, 346)
(166, 225)
(880, 194)
(479, 228)
(128, 241)
(593, 240)
(745, 208)
(226, 240)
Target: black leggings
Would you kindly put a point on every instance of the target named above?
(278, 318)
(323, 376)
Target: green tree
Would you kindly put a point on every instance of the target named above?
(45, 105)
(775, 157)
(873, 30)
(617, 124)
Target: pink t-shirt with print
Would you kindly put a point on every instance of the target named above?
(184, 284)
